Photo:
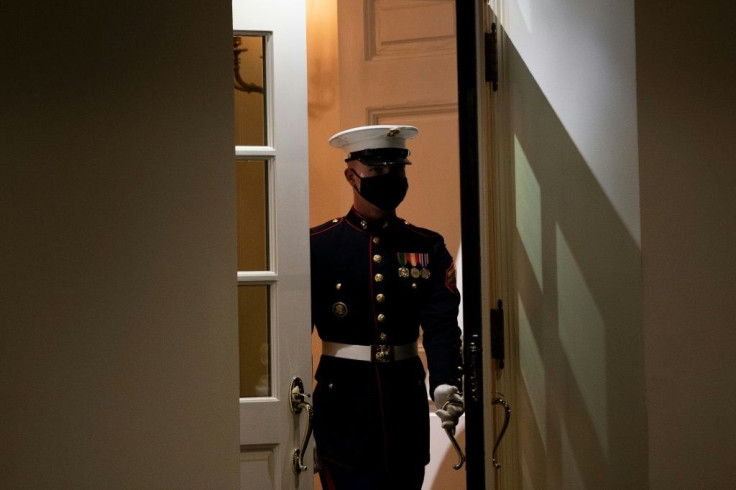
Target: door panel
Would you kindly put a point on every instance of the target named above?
(398, 65)
(273, 232)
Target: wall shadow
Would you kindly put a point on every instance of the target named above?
(581, 413)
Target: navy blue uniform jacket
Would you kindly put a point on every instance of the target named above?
(364, 291)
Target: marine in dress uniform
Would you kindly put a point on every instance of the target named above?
(376, 280)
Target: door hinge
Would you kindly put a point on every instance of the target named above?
(497, 329)
(491, 49)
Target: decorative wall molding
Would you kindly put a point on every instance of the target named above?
(377, 115)
(409, 28)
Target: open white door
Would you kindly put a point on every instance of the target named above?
(273, 247)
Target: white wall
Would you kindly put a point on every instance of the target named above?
(118, 347)
(686, 69)
(626, 324)
(580, 411)
(582, 56)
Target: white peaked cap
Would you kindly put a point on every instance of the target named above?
(371, 137)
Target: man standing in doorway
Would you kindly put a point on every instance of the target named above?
(375, 280)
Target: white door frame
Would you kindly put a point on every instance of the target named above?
(269, 430)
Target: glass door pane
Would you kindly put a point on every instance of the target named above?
(252, 214)
(252, 182)
(250, 88)
(253, 325)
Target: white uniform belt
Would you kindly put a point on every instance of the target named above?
(370, 353)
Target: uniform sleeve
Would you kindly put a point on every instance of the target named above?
(442, 335)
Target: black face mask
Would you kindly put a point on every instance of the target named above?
(383, 191)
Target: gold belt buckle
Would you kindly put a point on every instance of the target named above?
(382, 353)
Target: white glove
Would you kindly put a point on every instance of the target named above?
(450, 405)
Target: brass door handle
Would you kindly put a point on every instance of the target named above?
(298, 402)
(507, 411)
(458, 449)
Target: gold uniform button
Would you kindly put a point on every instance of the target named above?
(413, 285)
(338, 286)
(376, 240)
(378, 277)
(380, 298)
(364, 225)
(383, 337)
(381, 318)
(340, 309)
(377, 259)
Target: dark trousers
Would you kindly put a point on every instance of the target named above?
(335, 477)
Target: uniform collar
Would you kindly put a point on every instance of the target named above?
(371, 226)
